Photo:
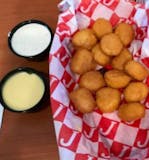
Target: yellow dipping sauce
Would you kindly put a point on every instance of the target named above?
(22, 91)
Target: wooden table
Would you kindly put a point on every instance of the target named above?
(26, 136)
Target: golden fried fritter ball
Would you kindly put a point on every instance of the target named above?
(116, 78)
(101, 27)
(84, 38)
(131, 111)
(111, 44)
(101, 58)
(125, 32)
(92, 80)
(82, 61)
(135, 91)
(136, 70)
(82, 100)
(108, 99)
(119, 61)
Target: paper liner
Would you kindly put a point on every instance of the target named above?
(95, 136)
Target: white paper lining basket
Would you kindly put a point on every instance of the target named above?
(95, 136)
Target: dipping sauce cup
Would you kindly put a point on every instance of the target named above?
(23, 90)
(30, 39)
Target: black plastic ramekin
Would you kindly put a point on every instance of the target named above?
(31, 39)
(29, 71)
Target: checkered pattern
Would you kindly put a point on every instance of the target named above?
(95, 136)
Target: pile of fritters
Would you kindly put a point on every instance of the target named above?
(119, 88)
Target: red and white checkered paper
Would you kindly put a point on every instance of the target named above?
(95, 136)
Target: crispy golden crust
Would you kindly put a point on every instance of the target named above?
(131, 111)
(92, 80)
(104, 46)
(116, 79)
(111, 44)
(82, 100)
(136, 70)
(99, 56)
(82, 61)
(108, 99)
(101, 27)
(125, 32)
(84, 38)
(135, 91)
(119, 61)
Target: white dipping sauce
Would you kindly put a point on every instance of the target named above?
(22, 91)
(31, 39)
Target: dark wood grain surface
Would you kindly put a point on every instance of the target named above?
(26, 136)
